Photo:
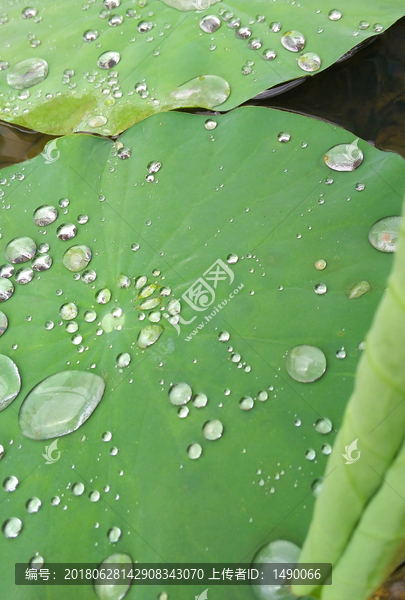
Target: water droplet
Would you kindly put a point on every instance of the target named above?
(210, 124)
(10, 484)
(45, 215)
(33, 505)
(42, 263)
(29, 12)
(72, 327)
(335, 15)
(37, 562)
(66, 231)
(27, 73)
(213, 430)
(10, 381)
(358, 290)
(269, 54)
(82, 219)
(55, 501)
(6, 289)
(344, 157)
(124, 153)
(320, 264)
(323, 425)
(43, 248)
(68, 311)
(309, 61)
(210, 24)
(326, 449)
(360, 187)
(114, 534)
(320, 289)
(364, 25)
(255, 44)
(149, 335)
(194, 451)
(20, 250)
(284, 137)
(316, 487)
(279, 551)
(108, 60)
(94, 496)
(144, 26)
(114, 591)
(24, 275)
(206, 91)
(200, 400)
(103, 296)
(151, 303)
(310, 454)
(224, 336)
(12, 527)
(60, 404)
(6, 271)
(383, 234)
(246, 403)
(3, 323)
(243, 33)
(378, 28)
(77, 258)
(90, 35)
(90, 316)
(78, 489)
(294, 41)
(123, 360)
(297, 422)
(275, 26)
(180, 393)
(88, 276)
(262, 396)
(305, 363)
(341, 354)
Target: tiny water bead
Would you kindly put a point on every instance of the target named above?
(323, 425)
(66, 231)
(10, 484)
(114, 534)
(27, 73)
(33, 505)
(320, 289)
(305, 363)
(213, 430)
(108, 60)
(200, 400)
(344, 157)
(194, 451)
(10, 381)
(246, 403)
(384, 234)
(294, 41)
(180, 393)
(6, 289)
(309, 61)
(68, 311)
(12, 527)
(20, 250)
(77, 258)
(45, 215)
(277, 552)
(210, 24)
(359, 289)
(284, 137)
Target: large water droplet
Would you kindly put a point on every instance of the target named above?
(60, 404)
(149, 335)
(210, 23)
(383, 234)
(293, 41)
(20, 250)
(279, 552)
(344, 157)
(108, 60)
(6, 289)
(45, 215)
(323, 425)
(305, 363)
(113, 591)
(66, 231)
(359, 289)
(6, 271)
(180, 393)
(309, 61)
(213, 430)
(206, 91)
(10, 381)
(77, 258)
(27, 73)
(10, 484)
(12, 527)
(246, 403)
(200, 400)
(335, 15)
(33, 505)
(41, 263)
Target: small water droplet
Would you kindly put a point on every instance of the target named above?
(309, 61)
(194, 451)
(310, 454)
(305, 363)
(10, 484)
(200, 400)
(359, 289)
(213, 430)
(323, 425)
(180, 393)
(335, 15)
(320, 264)
(284, 137)
(210, 24)
(20, 250)
(66, 231)
(246, 403)
(12, 527)
(294, 41)
(383, 234)
(320, 289)
(114, 534)
(108, 60)
(45, 215)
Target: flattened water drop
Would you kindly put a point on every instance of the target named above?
(12, 527)
(213, 430)
(60, 404)
(344, 157)
(309, 61)
(20, 250)
(383, 234)
(24, 275)
(206, 91)
(27, 73)
(114, 591)
(10, 381)
(335, 15)
(180, 393)
(103, 296)
(149, 335)
(45, 215)
(246, 403)
(294, 41)
(77, 258)
(305, 363)
(359, 289)
(279, 552)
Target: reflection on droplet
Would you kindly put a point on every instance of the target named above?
(341, 353)
(12, 527)
(77, 258)
(262, 396)
(279, 552)
(284, 137)
(33, 505)
(205, 91)
(185, 5)
(10, 381)
(320, 264)
(194, 451)
(320, 289)
(24, 275)
(55, 500)
(210, 24)
(7, 271)
(246, 403)
(305, 363)
(275, 26)
(90, 316)
(108, 60)
(309, 61)
(66, 231)
(213, 430)
(149, 335)
(37, 562)
(42, 263)
(316, 487)
(383, 234)
(359, 289)
(68, 311)
(94, 496)
(27, 73)
(45, 215)
(20, 250)
(3, 323)
(323, 425)
(60, 404)
(294, 41)
(232, 259)
(269, 54)
(180, 393)
(344, 157)
(10, 484)
(326, 449)
(103, 296)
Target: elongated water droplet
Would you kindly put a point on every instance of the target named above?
(149, 335)
(344, 157)
(20, 250)
(185, 5)
(27, 73)
(60, 404)
(108, 60)
(3, 323)
(114, 534)
(151, 303)
(206, 91)
(305, 363)
(10, 381)
(12, 527)
(358, 290)
(383, 234)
